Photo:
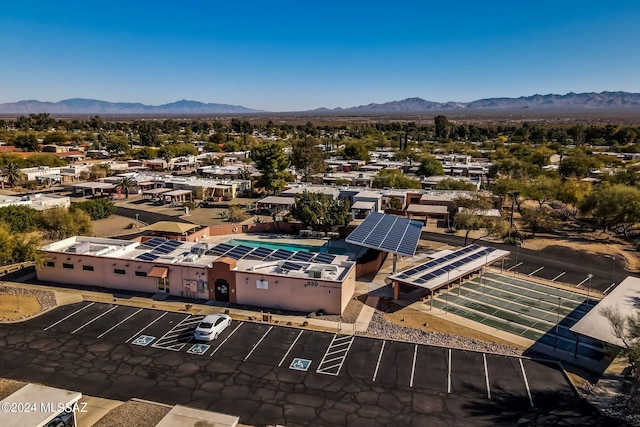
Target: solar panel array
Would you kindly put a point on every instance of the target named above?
(168, 246)
(389, 233)
(291, 266)
(266, 254)
(444, 265)
(156, 241)
(147, 256)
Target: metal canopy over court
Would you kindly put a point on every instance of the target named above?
(442, 270)
(387, 233)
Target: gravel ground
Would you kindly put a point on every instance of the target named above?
(133, 413)
(381, 328)
(8, 387)
(46, 299)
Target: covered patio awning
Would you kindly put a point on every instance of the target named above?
(159, 272)
(153, 191)
(170, 227)
(364, 205)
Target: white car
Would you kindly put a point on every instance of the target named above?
(211, 327)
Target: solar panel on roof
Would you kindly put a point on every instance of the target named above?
(281, 254)
(147, 256)
(302, 256)
(324, 258)
(261, 253)
(156, 241)
(291, 266)
(239, 251)
(221, 248)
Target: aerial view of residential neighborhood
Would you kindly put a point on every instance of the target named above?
(327, 214)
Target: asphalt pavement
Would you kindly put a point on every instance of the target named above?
(270, 374)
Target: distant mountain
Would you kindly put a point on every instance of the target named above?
(94, 106)
(571, 101)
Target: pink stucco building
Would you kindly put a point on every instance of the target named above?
(204, 271)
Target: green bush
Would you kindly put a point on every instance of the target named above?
(97, 208)
(20, 219)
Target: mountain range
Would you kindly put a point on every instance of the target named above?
(591, 101)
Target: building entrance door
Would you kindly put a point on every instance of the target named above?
(222, 290)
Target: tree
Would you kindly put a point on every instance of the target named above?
(543, 189)
(12, 174)
(443, 127)
(272, 162)
(237, 214)
(538, 219)
(356, 151)
(307, 157)
(627, 330)
(96, 208)
(472, 215)
(455, 185)
(126, 184)
(321, 211)
(394, 178)
(27, 142)
(430, 166)
(576, 164)
(19, 219)
(611, 205)
(61, 223)
(44, 159)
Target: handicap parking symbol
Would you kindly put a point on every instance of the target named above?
(300, 364)
(199, 349)
(143, 340)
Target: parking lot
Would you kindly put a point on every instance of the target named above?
(272, 374)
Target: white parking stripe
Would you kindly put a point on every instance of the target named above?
(169, 332)
(449, 374)
(258, 343)
(94, 319)
(558, 276)
(65, 318)
(535, 271)
(511, 268)
(375, 374)
(583, 282)
(118, 324)
(526, 383)
(413, 368)
(225, 340)
(290, 347)
(486, 375)
(149, 324)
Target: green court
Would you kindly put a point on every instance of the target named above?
(531, 310)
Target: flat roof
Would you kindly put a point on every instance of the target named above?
(94, 185)
(161, 252)
(427, 209)
(448, 267)
(156, 190)
(182, 416)
(40, 396)
(277, 200)
(178, 193)
(624, 299)
(363, 205)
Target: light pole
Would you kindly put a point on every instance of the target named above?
(555, 341)
(613, 268)
(137, 216)
(446, 296)
(589, 289)
(484, 271)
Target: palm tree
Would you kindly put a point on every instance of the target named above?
(125, 183)
(12, 174)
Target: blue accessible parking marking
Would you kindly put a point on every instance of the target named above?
(199, 349)
(300, 364)
(143, 340)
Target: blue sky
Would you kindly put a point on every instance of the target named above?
(296, 55)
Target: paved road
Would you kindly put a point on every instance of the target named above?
(571, 266)
(257, 372)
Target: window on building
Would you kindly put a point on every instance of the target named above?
(119, 271)
(50, 264)
(66, 265)
(141, 273)
(87, 267)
